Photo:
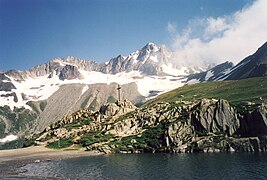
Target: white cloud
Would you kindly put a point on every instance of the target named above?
(215, 40)
(171, 28)
(216, 25)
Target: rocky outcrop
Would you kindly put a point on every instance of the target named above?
(109, 109)
(119, 108)
(211, 116)
(59, 106)
(205, 126)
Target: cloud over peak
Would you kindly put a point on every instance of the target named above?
(218, 39)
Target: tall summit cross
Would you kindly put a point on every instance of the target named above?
(119, 94)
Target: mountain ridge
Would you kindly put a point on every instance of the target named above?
(143, 75)
(254, 65)
(43, 88)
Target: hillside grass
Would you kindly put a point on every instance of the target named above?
(61, 143)
(234, 91)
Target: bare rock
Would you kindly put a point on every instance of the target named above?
(214, 117)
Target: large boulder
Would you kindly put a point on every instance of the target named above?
(109, 109)
(210, 116)
(119, 109)
(180, 133)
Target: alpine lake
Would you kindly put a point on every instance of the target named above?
(151, 166)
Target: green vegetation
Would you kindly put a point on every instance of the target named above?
(111, 99)
(31, 142)
(15, 97)
(61, 143)
(86, 121)
(77, 124)
(33, 106)
(43, 105)
(84, 103)
(93, 105)
(13, 144)
(28, 143)
(150, 140)
(21, 118)
(6, 112)
(94, 137)
(2, 129)
(24, 120)
(234, 91)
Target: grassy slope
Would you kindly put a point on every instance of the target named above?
(233, 91)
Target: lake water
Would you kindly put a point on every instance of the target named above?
(153, 166)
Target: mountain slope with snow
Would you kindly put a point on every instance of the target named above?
(32, 99)
(52, 90)
(150, 68)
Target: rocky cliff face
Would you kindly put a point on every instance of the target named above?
(204, 126)
(214, 117)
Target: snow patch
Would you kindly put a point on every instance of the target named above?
(35, 89)
(154, 58)
(209, 75)
(228, 72)
(8, 138)
(157, 83)
(85, 88)
(41, 88)
(169, 69)
(193, 81)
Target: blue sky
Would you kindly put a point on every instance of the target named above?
(34, 31)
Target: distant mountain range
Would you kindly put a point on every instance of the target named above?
(32, 99)
(151, 68)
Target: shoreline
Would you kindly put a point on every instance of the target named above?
(42, 153)
(12, 160)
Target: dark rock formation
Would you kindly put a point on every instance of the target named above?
(254, 123)
(214, 117)
(217, 72)
(70, 72)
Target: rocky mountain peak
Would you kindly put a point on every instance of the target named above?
(150, 47)
(147, 50)
(70, 72)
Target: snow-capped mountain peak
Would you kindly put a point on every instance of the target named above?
(150, 47)
(150, 68)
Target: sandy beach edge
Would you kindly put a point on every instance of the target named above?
(11, 160)
(41, 152)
